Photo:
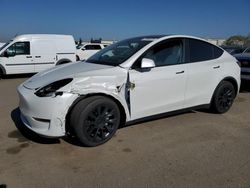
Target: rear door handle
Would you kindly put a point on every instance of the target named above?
(38, 56)
(181, 72)
(28, 56)
(216, 67)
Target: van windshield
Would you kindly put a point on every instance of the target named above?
(6, 44)
(119, 52)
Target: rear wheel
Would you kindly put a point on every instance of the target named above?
(63, 62)
(1, 74)
(95, 120)
(77, 58)
(223, 97)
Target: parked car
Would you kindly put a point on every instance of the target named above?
(233, 50)
(34, 53)
(127, 81)
(247, 50)
(84, 51)
(244, 60)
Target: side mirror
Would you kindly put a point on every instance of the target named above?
(5, 54)
(147, 63)
(83, 49)
(8, 54)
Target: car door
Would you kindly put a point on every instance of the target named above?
(162, 88)
(203, 70)
(44, 54)
(18, 59)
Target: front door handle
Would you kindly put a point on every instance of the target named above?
(38, 56)
(181, 72)
(28, 56)
(216, 67)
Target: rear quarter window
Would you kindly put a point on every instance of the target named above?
(202, 51)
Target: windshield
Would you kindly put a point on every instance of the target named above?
(119, 52)
(6, 44)
(247, 50)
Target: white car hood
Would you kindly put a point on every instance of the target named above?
(62, 71)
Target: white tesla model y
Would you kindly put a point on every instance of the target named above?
(129, 80)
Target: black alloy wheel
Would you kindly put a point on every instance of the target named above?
(95, 120)
(223, 97)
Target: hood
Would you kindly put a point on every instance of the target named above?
(60, 72)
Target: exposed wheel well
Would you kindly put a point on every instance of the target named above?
(122, 110)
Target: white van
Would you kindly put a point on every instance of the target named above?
(36, 52)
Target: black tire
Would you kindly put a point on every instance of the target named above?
(223, 97)
(95, 120)
(77, 58)
(1, 73)
(63, 62)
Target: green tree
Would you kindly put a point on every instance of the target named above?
(238, 40)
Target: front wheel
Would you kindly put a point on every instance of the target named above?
(95, 120)
(223, 97)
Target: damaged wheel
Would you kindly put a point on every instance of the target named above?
(95, 120)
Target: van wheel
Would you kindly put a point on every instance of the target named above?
(63, 62)
(1, 74)
(223, 97)
(95, 120)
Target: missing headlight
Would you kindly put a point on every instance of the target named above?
(51, 89)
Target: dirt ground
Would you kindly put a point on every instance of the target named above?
(192, 149)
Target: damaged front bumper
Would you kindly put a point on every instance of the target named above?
(44, 115)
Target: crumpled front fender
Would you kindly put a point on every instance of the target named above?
(114, 86)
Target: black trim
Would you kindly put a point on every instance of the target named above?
(30, 64)
(64, 53)
(42, 120)
(167, 114)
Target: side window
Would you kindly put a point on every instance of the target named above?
(92, 47)
(202, 51)
(165, 53)
(19, 48)
(98, 47)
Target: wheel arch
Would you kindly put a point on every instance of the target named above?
(82, 97)
(230, 79)
(233, 81)
(62, 61)
(2, 69)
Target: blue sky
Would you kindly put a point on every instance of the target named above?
(114, 19)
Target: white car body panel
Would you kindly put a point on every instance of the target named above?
(164, 79)
(140, 93)
(46, 51)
